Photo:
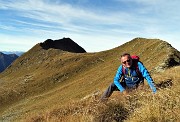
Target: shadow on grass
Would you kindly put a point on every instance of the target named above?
(165, 84)
(114, 113)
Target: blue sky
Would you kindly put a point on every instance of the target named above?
(96, 25)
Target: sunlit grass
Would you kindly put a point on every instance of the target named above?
(137, 106)
(52, 85)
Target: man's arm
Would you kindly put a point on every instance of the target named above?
(117, 78)
(147, 76)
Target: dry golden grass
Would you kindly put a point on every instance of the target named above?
(52, 85)
(138, 106)
(163, 106)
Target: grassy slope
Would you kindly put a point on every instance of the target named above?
(138, 106)
(42, 80)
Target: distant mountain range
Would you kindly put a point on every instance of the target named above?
(19, 53)
(6, 60)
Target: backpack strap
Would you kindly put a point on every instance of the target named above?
(123, 70)
(137, 69)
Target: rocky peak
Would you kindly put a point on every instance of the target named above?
(65, 44)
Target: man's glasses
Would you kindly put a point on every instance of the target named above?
(127, 61)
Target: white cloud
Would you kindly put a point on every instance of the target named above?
(61, 13)
(44, 19)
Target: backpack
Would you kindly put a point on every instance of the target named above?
(135, 60)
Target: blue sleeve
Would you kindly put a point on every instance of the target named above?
(147, 76)
(117, 78)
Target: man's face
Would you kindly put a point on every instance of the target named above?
(126, 61)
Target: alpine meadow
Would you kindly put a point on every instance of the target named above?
(58, 81)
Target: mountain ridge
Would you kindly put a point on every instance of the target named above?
(43, 73)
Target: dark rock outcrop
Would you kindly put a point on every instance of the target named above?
(65, 44)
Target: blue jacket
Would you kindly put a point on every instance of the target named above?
(131, 79)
